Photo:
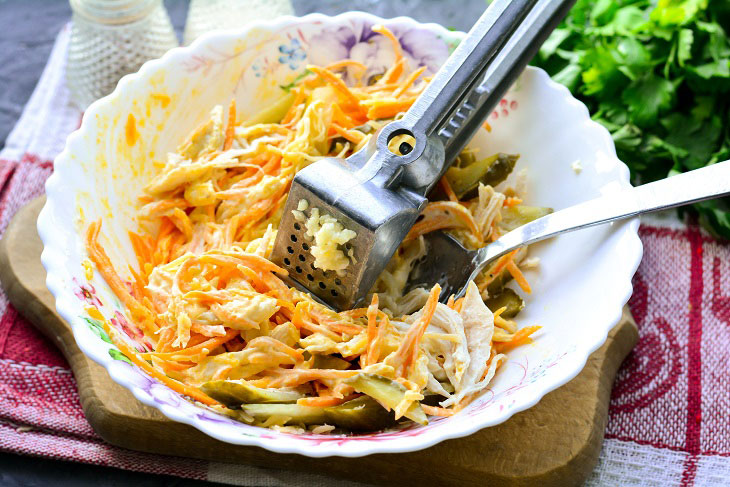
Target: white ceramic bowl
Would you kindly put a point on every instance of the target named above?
(583, 281)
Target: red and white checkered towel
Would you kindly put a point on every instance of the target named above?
(669, 420)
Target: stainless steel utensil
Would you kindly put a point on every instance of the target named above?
(379, 194)
(453, 266)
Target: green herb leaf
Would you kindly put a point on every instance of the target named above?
(646, 97)
(656, 74)
(684, 46)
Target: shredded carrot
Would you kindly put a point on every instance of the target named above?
(496, 269)
(336, 83)
(98, 256)
(389, 108)
(372, 315)
(407, 351)
(444, 214)
(345, 63)
(446, 186)
(176, 386)
(394, 73)
(352, 135)
(231, 127)
(298, 100)
(518, 276)
(487, 126)
(511, 201)
(383, 30)
(522, 337)
(196, 349)
(325, 401)
(437, 411)
(408, 81)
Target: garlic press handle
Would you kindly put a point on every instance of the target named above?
(464, 92)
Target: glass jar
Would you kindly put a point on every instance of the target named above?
(111, 38)
(208, 15)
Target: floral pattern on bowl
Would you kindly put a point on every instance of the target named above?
(102, 168)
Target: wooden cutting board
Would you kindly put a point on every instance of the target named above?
(556, 442)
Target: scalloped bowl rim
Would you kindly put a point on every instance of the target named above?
(52, 257)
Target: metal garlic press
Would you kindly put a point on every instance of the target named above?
(379, 194)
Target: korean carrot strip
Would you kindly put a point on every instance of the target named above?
(458, 304)
(437, 411)
(345, 63)
(407, 351)
(444, 214)
(209, 344)
(138, 283)
(487, 126)
(394, 72)
(446, 186)
(176, 386)
(352, 135)
(495, 270)
(372, 315)
(408, 81)
(379, 339)
(337, 84)
(182, 222)
(99, 257)
(142, 248)
(518, 276)
(300, 322)
(511, 201)
(231, 127)
(325, 401)
(380, 87)
(164, 343)
(383, 30)
(388, 108)
(341, 118)
(334, 323)
(176, 366)
(223, 258)
(520, 338)
(299, 98)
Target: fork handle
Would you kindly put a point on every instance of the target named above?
(690, 187)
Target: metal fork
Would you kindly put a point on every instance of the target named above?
(453, 266)
(379, 194)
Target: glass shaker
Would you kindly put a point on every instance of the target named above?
(207, 15)
(111, 38)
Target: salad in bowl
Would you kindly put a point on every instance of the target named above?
(163, 209)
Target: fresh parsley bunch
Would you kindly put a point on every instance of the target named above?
(656, 74)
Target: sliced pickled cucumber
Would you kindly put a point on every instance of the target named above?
(234, 393)
(291, 414)
(361, 414)
(492, 171)
(387, 392)
(506, 298)
(330, 362)
(519, 215)
(274, 112)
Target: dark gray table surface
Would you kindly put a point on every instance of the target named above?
(28, 29)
